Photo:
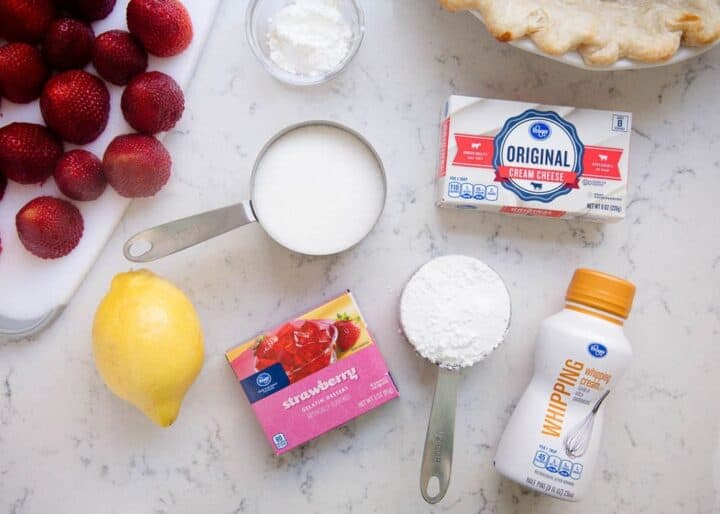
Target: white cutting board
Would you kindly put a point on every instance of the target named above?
(33, 290)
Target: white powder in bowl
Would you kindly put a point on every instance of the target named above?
(309, 37)
(455, 310)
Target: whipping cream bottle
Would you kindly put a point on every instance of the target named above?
(552, 440)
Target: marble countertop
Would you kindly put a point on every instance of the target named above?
(68, 446)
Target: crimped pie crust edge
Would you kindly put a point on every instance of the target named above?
(601, 34)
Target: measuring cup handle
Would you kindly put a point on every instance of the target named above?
(163, 240)
(438, 452)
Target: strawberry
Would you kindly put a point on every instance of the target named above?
(90, 10)
(76, 105)
(25, 20)
(348, 332)
(152, 102)
(266, 351)
(79, 175)
(49, 227)
(265, 347)
(136, 165)
(22, 72)
(162, 26)
(119, 56)
(68, 44)
(28, 152)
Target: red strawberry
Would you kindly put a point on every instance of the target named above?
(152, 102)
(348, 332)
(49, 227)
(119, 56)
(28, 152)
(68, 44)
(79, 175)
(266, 347)
(76, 105)
(89, 10)
(22, 72)
(25, 20)
(3, 185)
(162, 26)
(136, 165)
(266, 352)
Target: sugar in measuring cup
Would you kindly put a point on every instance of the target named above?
(455, 310)
(317, 188)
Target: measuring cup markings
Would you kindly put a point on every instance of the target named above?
(180, 234)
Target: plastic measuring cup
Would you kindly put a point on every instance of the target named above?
(166, 239)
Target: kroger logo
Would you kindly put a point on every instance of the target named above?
(263, 379)
(540, 130)
(597, 350)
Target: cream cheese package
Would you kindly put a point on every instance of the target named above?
(533, 160)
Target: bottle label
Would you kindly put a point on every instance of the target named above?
(565, 427)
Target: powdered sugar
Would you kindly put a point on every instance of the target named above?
(455, 310)
(309, 37)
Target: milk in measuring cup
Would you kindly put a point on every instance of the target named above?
(552, 440)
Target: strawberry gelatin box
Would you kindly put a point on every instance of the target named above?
(312, 374)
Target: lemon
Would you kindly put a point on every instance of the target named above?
(148, 343)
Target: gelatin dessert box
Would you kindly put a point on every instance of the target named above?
(313, 373)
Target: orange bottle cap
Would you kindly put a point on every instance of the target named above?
(601, 291)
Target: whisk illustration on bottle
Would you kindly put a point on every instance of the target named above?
(577, 440)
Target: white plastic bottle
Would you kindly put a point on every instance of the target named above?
(552, 440)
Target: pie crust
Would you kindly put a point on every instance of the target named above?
(602, 31)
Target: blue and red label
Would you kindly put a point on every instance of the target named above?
(538, 155)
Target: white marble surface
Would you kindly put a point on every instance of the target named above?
(68, 446)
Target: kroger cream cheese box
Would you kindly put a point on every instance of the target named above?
(533, 160)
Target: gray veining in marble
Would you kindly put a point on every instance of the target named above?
(68, 446)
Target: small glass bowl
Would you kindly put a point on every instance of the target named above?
(256, 29)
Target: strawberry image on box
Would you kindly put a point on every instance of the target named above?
(313, 373)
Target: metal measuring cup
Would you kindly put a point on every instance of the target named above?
(439, 439)
(174, 236)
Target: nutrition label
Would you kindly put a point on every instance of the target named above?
(554, 464)
(469, 191)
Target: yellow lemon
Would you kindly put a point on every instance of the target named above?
(148, 343)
